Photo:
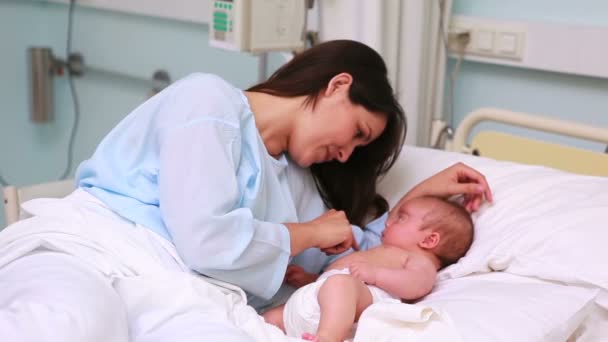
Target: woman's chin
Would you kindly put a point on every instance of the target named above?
(303, 162)
(309, 163)
(306, 162)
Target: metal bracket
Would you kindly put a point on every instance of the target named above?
(77, 67)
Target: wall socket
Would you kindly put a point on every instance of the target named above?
(488, 39)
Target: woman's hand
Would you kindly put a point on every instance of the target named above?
(297, 277)
(331, 232)
(458, 179)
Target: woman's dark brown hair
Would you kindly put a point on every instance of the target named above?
(349, 186)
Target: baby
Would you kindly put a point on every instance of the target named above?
(421, 236)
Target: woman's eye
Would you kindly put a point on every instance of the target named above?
(402, 218)
(359, 134)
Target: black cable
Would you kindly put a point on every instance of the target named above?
(68, 52)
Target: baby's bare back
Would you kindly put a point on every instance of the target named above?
(383, 256)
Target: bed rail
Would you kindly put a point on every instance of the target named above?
(532, 121)
(517, 148)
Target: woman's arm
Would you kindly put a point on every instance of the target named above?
(331, 232)
(199, 201)
(458, 179)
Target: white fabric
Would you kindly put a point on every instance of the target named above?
(502, 307)
(390, 321)
(302, 311)
(162, 302)
(544, 224)
(594, 328)
(116, 259)
(55, 297)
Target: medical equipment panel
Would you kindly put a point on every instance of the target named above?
(257, 26)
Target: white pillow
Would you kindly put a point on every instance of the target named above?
(503, 307)
(544, 223)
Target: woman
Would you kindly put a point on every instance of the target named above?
(195, 180)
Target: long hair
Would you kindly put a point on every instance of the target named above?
(349, 186)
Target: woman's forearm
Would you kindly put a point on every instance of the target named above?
(301, 237)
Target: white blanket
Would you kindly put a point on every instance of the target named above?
(387, 321)
(154, 292)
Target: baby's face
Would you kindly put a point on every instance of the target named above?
(404, 225)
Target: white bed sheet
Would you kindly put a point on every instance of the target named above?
(547, 231)
(503, 307)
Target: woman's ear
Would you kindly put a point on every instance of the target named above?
(430, 241)
(340, 82)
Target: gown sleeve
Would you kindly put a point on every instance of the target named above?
(199, 200)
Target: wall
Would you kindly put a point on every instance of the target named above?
(137, 45)
(576, 98)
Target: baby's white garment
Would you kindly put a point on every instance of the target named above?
(302, 312)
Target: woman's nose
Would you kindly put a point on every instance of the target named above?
(344, 153)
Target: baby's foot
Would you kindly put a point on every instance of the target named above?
(310, 337)
(320, 337)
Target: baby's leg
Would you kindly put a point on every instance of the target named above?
(274, 316)
(342, 299)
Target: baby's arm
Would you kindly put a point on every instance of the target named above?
(414, 280)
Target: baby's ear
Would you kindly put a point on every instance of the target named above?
(430, 241)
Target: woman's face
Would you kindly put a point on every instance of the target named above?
(334, 128)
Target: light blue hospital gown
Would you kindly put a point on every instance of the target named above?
(190, 165)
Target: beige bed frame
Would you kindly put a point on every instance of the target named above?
(14, 196)
(519, 149)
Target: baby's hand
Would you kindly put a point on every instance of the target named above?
(297, 277)
(363, 271)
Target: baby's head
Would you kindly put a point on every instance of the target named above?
(432, 224)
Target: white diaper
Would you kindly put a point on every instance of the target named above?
(302, 312)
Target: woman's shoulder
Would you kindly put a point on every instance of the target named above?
(211, 95)
(204, 80)
(209, 87)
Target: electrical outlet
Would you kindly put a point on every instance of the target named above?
(488, 39)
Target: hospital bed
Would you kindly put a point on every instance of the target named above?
(536, 270)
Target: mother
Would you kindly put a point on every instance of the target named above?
(200, 169)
